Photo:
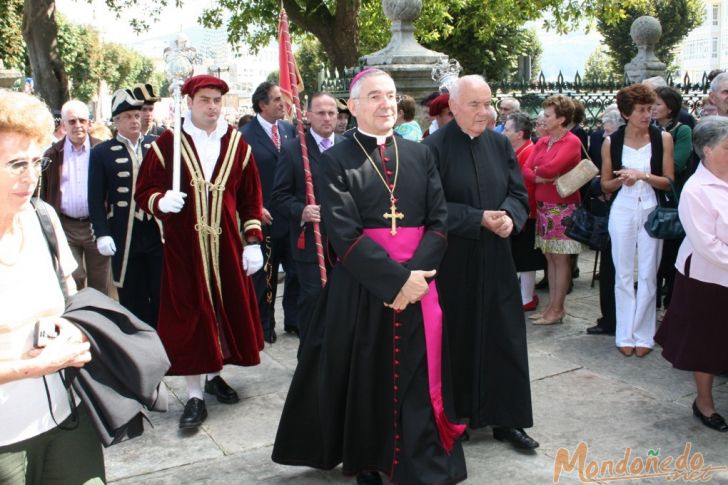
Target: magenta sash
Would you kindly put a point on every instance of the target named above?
(401, 248)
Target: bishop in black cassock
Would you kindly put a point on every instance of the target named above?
(363, 392)
(480, 296)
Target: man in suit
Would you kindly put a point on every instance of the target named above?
(65, 187)
(289, 198)
(124, 231)
(265, 134)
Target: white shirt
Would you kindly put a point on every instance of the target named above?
(130, 144)
(641, 192)
(74, 179)
(318, 138)
(268, 127)
(28, 291)
(207, 146)
(703, 212)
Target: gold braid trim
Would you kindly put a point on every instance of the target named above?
(217, 203)
(159, 153)
(150, 202)
(193, 166)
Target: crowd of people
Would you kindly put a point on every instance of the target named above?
(430, 241)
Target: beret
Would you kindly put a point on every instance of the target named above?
(439, 103)
(195, 83)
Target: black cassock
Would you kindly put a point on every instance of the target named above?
(479, 291)
(360, 392)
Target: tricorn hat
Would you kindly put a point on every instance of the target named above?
(146, 93)
(124, 100)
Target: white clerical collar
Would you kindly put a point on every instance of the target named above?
(318, 137)
(381, 139)
(189, 127)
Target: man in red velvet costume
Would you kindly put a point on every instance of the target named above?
(208, 313)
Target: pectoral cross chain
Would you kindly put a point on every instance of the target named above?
(393, 215)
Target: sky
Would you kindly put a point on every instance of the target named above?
(567, 53)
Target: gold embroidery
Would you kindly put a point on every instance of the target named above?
(116, 148)
(122, 190)
(156, 149)
(122, 203)
(150, 202)
(124, 174)
(121, 160)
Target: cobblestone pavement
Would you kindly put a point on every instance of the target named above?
(583, 390)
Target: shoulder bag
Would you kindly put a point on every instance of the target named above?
(664, 222)
(577, 177)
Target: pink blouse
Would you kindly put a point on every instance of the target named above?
(703, 212)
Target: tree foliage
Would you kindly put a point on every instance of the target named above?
(442, 22)
(678, 18)
(12, 46)
(598, 68)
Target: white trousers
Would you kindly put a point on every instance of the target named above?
(636, 311)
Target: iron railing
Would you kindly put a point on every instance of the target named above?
(595, 93)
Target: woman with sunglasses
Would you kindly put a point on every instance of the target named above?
(43, 433)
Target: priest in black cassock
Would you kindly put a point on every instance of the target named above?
(368, 387)
(480, 295)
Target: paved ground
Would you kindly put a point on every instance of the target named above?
(583, 389)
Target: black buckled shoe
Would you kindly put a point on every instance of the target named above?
(224, 393)
(515, 436)
(194, 414)
(715, 421)
(368, 478)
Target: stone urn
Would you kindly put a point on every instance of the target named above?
(645, 32)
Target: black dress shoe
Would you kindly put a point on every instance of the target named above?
(270, 337)
(368, 478)
(194, 414)
(597, 330)
(715, 421)
(224, 393)
(543, 284)
(516, 436)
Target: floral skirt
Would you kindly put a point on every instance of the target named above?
(550, 229)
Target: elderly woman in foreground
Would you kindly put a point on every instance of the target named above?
(44, 438)
(694, 332)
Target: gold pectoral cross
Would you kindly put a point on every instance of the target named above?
(393, 215)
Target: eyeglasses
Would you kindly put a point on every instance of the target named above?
(20, 166)
(377, 98)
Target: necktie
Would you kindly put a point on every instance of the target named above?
(325, 144)
(276, 138)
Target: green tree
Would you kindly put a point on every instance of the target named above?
(12, 46)
(678, 18)
(337, 24)
(597, 67)
(346, 28)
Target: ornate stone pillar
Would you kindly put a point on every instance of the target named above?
(645, 32)
(409, 64)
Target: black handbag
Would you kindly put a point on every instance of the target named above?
(587, 228)
(664, 222)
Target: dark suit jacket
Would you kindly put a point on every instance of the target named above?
(50, 187)
(289, 192)
(266, 159)
(111, 205)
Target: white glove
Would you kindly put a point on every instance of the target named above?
(252, 258)
(106, 246)
(172, 201)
